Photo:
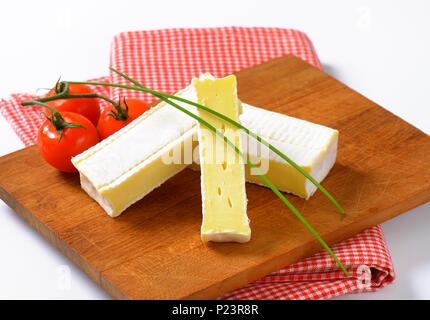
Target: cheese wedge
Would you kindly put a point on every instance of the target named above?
(129, 164)
(125, 167)
(222, 174)
(313, 147)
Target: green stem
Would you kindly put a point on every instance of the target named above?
(220, 115)
(57, 120)
(65, 94)
(245, 158)
(262, 176)
(119, 113)
(212, 128)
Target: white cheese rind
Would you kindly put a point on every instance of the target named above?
(112, 163)
(128, 149)
(282, 128)
(315, 150)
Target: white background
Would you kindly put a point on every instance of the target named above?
(379, 48)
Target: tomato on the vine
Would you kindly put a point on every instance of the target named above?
(62, 137)
(88, 107)
(118, 116)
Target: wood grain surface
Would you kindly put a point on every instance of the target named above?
(153, 250)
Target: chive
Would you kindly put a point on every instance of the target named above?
(245, 158)
(262, 176)
(220, 115)
(164, 97)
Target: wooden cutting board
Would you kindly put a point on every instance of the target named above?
(153, 250)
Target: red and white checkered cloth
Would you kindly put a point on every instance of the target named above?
(166, 60)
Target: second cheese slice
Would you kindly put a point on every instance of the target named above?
(222, 174)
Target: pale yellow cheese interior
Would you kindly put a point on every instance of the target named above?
(223, 178)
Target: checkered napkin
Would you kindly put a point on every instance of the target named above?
(166, 60)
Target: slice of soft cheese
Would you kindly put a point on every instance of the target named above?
(313, 147)
(222, 174)
(123, 168)
(129, 164)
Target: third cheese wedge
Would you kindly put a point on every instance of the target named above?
(313, 147)
(222, 174)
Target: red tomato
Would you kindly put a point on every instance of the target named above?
(88, 107)
(74, 141)
(110, 124)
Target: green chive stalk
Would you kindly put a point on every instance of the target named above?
(164, 97)
(221, 116)
(263, 177)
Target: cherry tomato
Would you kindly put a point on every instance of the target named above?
(110, 124)
(74, 141)
(88, 107)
